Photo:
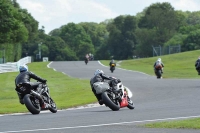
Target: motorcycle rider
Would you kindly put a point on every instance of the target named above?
(111, 63)
(157, 64)
(197, 65)
(24, 77)
(99, 76)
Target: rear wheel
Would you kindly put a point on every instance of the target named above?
(158, 73)
(32, 104)
(110, 102)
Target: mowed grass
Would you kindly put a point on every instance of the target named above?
(178, 124)
(66, 91)
(179, 65)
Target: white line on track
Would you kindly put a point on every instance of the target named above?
(100, 125)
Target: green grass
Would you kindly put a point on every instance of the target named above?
(178, 124)
(179, 65)
(66, 91)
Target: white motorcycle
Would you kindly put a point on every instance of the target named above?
(114, 97)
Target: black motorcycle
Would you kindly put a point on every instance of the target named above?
(33, 100)
(114, 97)
(112, 67)
(86, 61)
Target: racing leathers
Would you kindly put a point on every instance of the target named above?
(197, 65)
(100, 78)
(25, 77)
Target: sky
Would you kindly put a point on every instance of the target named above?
(53, 14)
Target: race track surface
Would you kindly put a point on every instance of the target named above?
(155, 100)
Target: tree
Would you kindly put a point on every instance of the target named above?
(163, 18)
(145, 38)
(122, 41)
(55, 32)
(193, 18)
(192, 42)
(97, 32)
(76, 38)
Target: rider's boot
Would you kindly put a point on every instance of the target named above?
(20, 98)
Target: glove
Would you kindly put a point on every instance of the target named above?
(44, 81)
(118, 80)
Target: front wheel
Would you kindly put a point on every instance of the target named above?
(130, 104)
(32, 104)
(110, 102)
(52, 107)
(112, 69)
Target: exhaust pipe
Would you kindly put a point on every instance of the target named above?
(36, 94)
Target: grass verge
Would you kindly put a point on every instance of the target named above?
(178, 124)
(179, 65)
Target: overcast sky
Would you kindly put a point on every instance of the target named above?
(53, 14)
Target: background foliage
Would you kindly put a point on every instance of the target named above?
(120, 38)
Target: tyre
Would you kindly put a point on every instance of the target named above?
(130, 104)
(112, 69)
(108, 101)
(158, 73)
(53, 107)
(31, 104)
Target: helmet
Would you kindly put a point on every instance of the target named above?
(159, 59)
(23, 68)
(98, 72)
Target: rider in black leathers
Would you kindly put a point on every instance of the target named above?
(24, 77)
(99, 76)
(197, 65)
(111, 63)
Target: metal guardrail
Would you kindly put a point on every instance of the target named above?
(14, 66)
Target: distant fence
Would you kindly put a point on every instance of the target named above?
(14, 66)
(158, 50)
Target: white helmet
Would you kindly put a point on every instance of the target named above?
(159, 59)
(98, 72)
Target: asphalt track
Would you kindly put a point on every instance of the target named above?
(155, 100)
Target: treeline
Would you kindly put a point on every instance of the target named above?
(121, 38)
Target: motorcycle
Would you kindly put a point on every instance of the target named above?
(32, 99)
(158, 72)
(114, 97)
(86, 61)
(112, 67)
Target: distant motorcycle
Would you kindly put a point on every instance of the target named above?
(197, 66)
(86, 61)
(114, 97)
(158, 71)
(112, 67)
(32, 99)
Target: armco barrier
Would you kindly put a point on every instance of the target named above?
(14, 66)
